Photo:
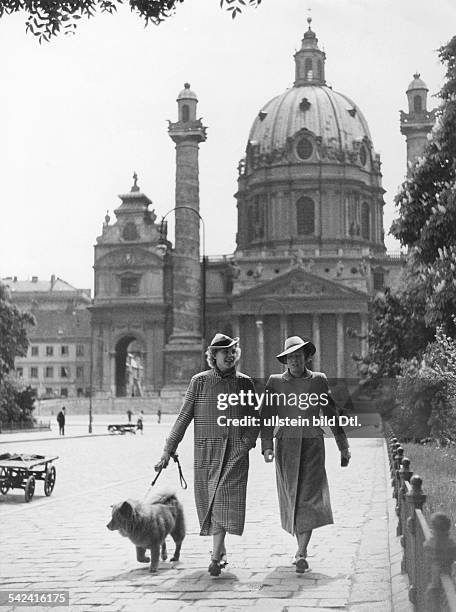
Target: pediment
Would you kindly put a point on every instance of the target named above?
(129, 258)
(297, 283)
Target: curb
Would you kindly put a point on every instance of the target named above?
(52, 439)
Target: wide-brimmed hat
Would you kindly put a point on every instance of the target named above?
(222, 341)
(294, 343)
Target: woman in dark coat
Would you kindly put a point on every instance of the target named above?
(302, 485)
(221, 461)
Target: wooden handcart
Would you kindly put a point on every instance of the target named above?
(21, 471)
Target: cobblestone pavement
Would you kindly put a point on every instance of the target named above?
(61, 542)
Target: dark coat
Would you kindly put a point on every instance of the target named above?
(221, 460)
(61, 418)
(302, 485)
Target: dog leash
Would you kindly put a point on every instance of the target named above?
(183, 482)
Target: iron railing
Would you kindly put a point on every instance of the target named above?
(428, 550)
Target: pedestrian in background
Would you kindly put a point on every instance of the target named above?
(302, 485)
(159, 415)
(140, 422)
(221, 453)
(61, 421)
(129, 413)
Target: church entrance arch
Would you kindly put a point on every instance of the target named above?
(130, 364)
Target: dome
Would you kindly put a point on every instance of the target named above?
(417, 83)
(327, 114)
(187, 93)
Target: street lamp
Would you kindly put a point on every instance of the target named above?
(163, 245)
(99, 340)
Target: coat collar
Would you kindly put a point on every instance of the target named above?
(287, 376)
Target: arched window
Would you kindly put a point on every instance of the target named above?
(130, 232)
(308, 67)
(320, 70)
(417, 104)
(185, 113)
(365, 221)
(305, 216)
(379, 279)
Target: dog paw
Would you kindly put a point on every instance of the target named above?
(153, 570)
(174, 559)
(164, 557)
(144, 560)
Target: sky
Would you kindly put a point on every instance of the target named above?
(80, 114)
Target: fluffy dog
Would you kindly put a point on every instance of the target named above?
(147, 523)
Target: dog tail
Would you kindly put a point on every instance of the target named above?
(168, 498)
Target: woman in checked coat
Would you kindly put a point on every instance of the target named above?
(302, 485)
(221, 460)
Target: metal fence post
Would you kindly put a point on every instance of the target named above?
(441, 551)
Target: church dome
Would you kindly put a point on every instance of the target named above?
(417, 83)
(317, 109)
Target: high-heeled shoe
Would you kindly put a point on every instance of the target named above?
(216, 566)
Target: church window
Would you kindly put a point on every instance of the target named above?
(305, 216)
(320, 70)
(304, 148)
(363, 156)
(185, 113)
(365, 221)
(417, 104)
(255, 218)
(130, 232)
(308, 68)
(129, 285)
(379, 279)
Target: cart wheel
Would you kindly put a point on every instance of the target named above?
(4, 484)
(49, 481)
(29, 488)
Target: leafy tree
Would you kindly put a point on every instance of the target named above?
(427, 209)
(13, 332)
(46, 18)
(16, 401)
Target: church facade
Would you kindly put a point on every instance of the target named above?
(309, 256)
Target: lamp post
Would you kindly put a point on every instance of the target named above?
(99, 340)
(203, 261)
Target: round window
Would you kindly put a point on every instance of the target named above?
(304, 148)
(363, 156)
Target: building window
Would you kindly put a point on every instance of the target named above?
(365, 221)
(320, 70)
(305, 216)
(64, 372)
(308, 68)
(130, 232)
(19, 372)
(129, 285)
(49, 351)
(33, 372)
(63, 392)
(49, 391)
(79, 350)
(379, 280)
(185, 113)
(79, 371)
(304, 148)
(64, 350)
(80, 392)
(49, 372)
(363, 156)
(417, 104)
(34, 351)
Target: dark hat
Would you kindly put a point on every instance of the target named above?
(222, 341)
(294, 343)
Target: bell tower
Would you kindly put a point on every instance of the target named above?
(184, 351)
(418, 122)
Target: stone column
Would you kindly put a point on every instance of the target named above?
(184, 351)
(112, 373)
(316, 340)
(340, 346)
(260, 346)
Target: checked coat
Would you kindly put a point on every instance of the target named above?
(221, 461)
(302, 485)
